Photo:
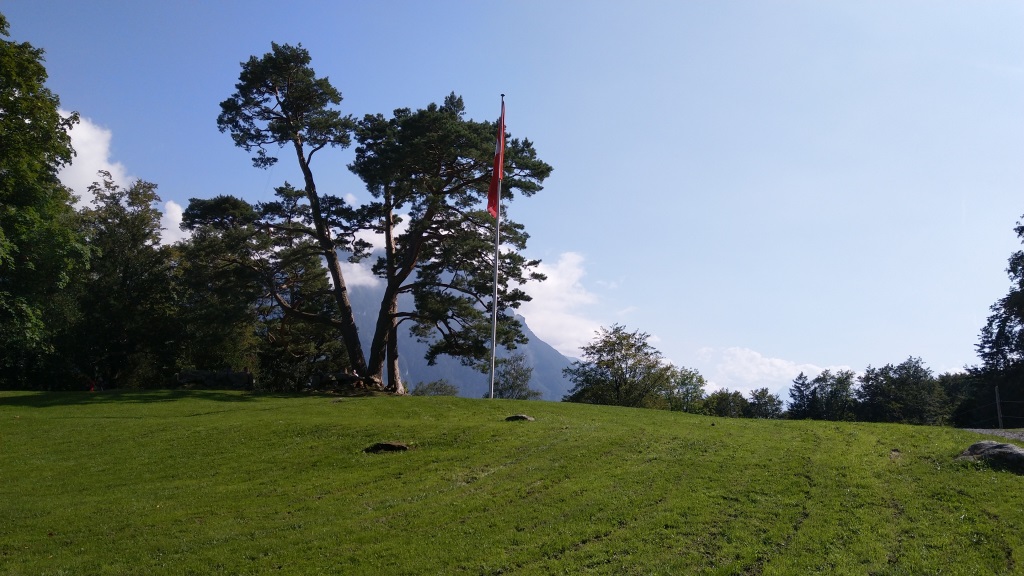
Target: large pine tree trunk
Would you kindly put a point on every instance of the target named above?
(349, 331)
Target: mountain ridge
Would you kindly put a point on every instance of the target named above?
(547, 363)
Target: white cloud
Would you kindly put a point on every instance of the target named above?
(359, 275)
(171, 224)
(557, 312)
(744, 369)
(377, 240)
(92, 154)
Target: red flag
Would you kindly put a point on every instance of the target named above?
(498, 175)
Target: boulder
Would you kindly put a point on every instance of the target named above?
(996, 454)
(516, 417)
(386, 447)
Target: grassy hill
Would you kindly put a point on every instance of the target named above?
(230, 483)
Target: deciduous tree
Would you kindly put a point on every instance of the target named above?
(686, 393)
(764, 404)
(41, 251)
(512, 380)
(904, 393)
(726, 403)
(128, 326)
(620, 368)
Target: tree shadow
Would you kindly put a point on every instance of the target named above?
(51, 399)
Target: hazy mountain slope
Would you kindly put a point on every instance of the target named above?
(546, 361)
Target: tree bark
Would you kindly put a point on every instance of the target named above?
(394, 374)
(349, 331)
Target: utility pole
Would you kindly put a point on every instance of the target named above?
(999, 409)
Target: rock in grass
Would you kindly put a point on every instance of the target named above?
(997, 454)
(386, 447)
(515, 417)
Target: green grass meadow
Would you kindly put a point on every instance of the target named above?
(164, 482)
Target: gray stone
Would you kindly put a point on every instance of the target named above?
(996, 454)
(515, 417)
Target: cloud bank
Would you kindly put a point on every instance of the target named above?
(92, 154)
(744, 369)
(558, 311)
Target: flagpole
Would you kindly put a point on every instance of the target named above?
(497, 243)
(494, 312)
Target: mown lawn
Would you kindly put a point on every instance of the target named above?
(230, 483)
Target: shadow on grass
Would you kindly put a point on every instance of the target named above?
(49, 399)
(28, 399)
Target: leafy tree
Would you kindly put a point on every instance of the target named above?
(217, 303)
(833, 397)
(828, 396)
(265, 251)
(727, 404)
(620, 368)
(40, 249)
(428, 170)
(128, 325)
(686, 392)
(764, 404)
(512, 379)
(905, 393)
(1001, 344)
(971, 399)
(436, 388)
(279, 101)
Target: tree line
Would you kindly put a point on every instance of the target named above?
(257, 293)
(622, 368)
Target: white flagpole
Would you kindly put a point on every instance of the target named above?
(494, 312)
(497, 241)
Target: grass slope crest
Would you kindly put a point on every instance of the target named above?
(197, 482)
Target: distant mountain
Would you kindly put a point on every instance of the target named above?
(547, 362)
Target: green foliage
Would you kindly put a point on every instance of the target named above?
(216, 300)
(436, 388)
(40, 249)
(829, 396)
(280, 101)
(763, 404)
(127, 330)
(800, 397)
(620, 368)
(268, 253)
(245, 484)
(433, 166)
(727, 404)
(686, 392)
(1001, 349)
(905, 393)
(1001, 345)
(512, 379)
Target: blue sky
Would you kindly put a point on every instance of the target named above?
(764, 187)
